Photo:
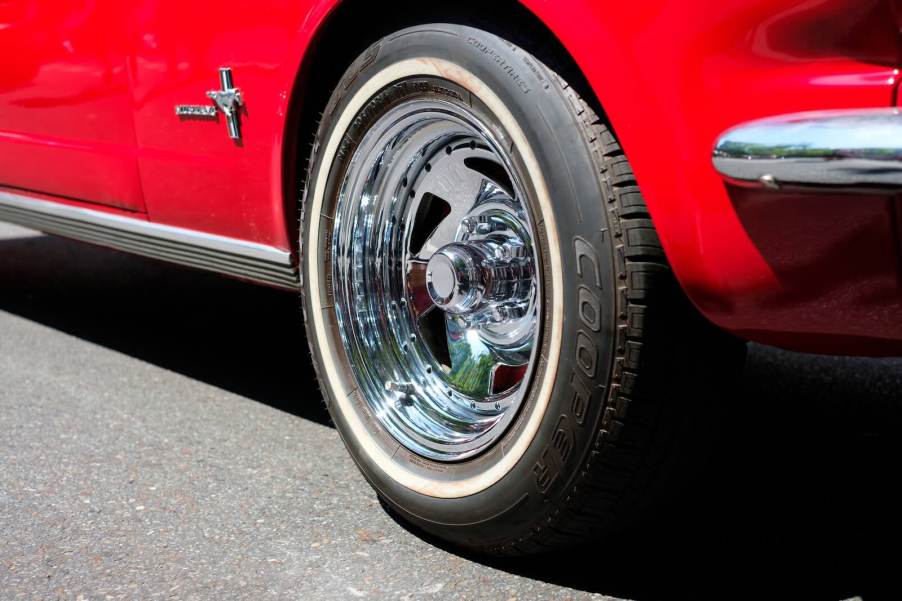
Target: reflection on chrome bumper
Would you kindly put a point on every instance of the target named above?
(851, 150)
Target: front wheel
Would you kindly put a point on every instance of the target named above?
(500, 341)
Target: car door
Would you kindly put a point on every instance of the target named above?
(66, 125)
(194, 175)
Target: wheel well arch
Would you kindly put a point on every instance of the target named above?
(353, 25)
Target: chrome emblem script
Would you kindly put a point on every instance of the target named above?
(228, 100)
(195, 110)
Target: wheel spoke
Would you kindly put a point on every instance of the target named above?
(459, 186)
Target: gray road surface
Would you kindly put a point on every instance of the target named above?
(161, 437)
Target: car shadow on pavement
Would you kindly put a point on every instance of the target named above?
(240, 337)
(800, 500)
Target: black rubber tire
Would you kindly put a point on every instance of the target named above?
(637, 379)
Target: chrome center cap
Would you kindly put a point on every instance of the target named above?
(453, 278)
(478, 276)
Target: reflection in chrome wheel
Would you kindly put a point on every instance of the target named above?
(436, 279)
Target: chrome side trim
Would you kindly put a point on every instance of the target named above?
(824, 151)
(230, 256)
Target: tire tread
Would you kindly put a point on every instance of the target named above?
(639, 428)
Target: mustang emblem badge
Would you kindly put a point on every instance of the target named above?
(228, 100)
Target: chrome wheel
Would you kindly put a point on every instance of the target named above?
(436, 279)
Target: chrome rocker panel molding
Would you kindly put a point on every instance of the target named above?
(229, 256)
(821, 151)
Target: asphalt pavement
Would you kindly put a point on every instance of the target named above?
(162, 437)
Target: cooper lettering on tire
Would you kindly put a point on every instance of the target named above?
(466, 311)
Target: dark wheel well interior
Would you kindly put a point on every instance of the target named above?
(356, 24)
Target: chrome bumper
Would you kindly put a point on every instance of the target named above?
(823, 151)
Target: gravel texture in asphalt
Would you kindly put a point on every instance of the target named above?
(162, 437)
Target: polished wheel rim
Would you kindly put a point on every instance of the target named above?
(436, 279)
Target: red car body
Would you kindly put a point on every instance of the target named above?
(87, 92)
